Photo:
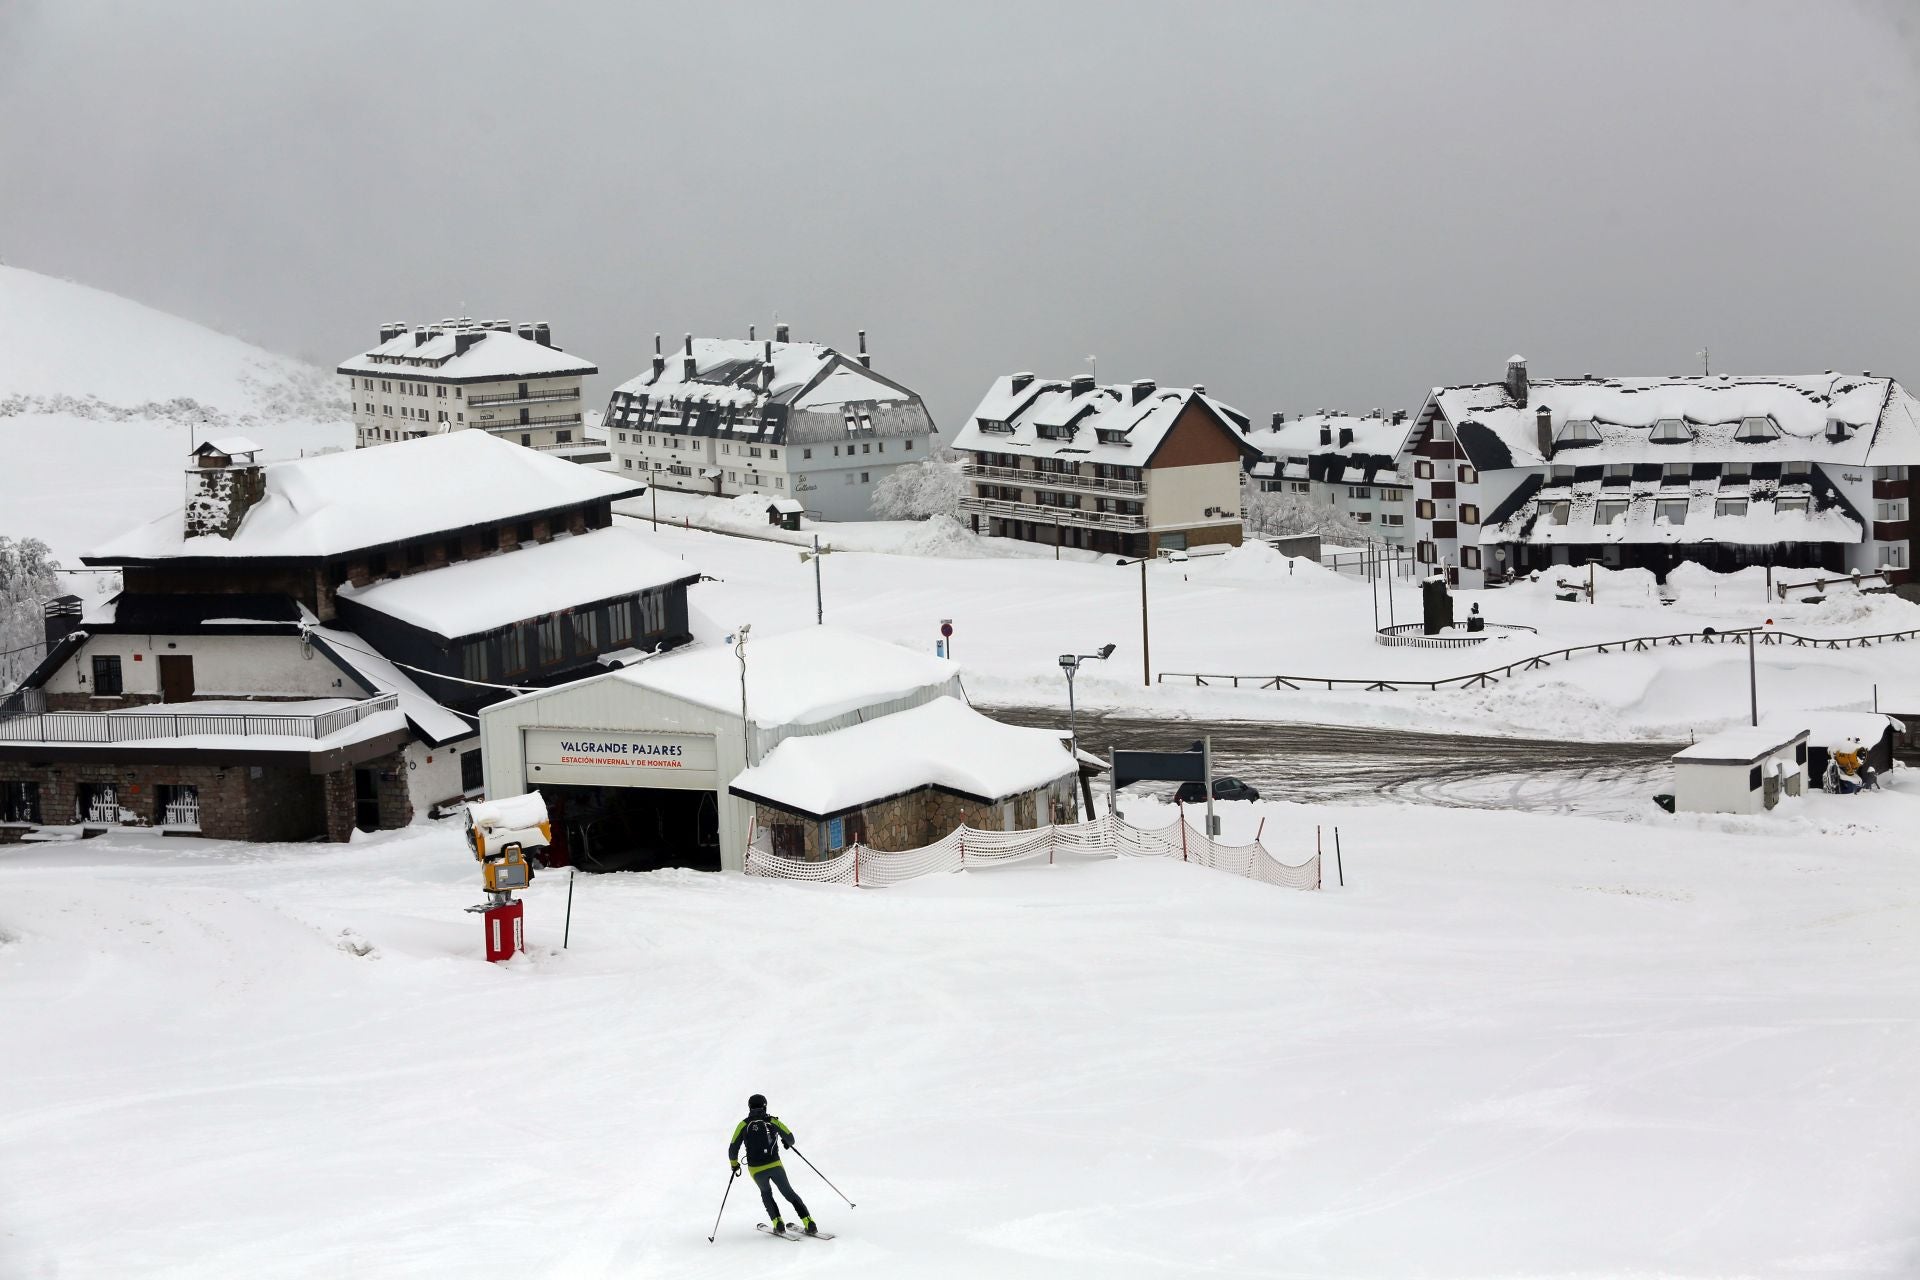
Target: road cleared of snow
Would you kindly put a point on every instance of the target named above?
(1513, 1045)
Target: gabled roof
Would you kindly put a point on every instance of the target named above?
(1703, 418)
(340, 503)
(1375, 437)
(490, 354)
(1120, 423)
(733, 371)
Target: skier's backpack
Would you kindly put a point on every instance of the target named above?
(763, 1141)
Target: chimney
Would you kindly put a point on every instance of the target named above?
(766, 368)
(524, 331)
(659, 361)
(543, 333)
(389, 332)
(218, 498)
(1517, 380)
(1399, 416)
(1199, 388)
(750, 337)
(1142, 388)
(463, 342)
(420, 337)
(1542, 426)
(62, 616)
(1020, 382)
(1080, 386)
(866, 361)
(780, 333)
(1346, 436)
(1326, 435)
(1376, 411)
(1279, 420)
(687, 367)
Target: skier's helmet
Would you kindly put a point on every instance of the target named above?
(758, 1100)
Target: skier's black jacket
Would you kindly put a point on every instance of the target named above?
(763, 1135)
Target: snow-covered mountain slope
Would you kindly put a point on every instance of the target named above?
(101, 396)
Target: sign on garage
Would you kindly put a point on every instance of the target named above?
(621, 758)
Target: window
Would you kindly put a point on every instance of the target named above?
(1423, 552)
(1895, 556)
(472, 770)
(563, 437)
(513, 650)
(1469, 513)
(1670, 511)
(726, 448)
(849, 477)
(909, 446)
(1670, 431)
(19, 802)
(178, 805)
(586, 631)
(1757, 430)
(1610, 511)
(1577, 432)
(1362, 517)
(1796, 469)
(1730, 506)
(440, 392)
(366, 384)
(866, 448)
(1890, 510)
(526, 438)
(1889, 473)
(773, 453)
(551, 649)
(1557, 512)
(1790, 504)
(1753, 778)
(620, 623)
(473, 660)
(1558, 474)
(1392, 520)
(1619, 471)
(627, 463)
(1672, 471)
(1468, 475)
(1393, 495)
(96, 802)
(653, 613)
(733, 477)
(883, 446)
(865, 477)
(1469, 557)
(779, 482)
(1423, 509)
(1300, 486)
(106, 675)
(385, 385)
(789, 840)
(386, 410)
(1423, 470)
(1359, 491)
(806, 453)
(1736, 470)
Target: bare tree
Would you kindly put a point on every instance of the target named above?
(1285, 514)
(26, 582)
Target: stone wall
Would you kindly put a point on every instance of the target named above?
(237, 802)
(921, 817)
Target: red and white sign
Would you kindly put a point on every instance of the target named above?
(620, 758)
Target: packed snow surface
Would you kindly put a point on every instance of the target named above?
(1511, 1046)
(942, 743)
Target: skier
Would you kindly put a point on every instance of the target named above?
(764, 1135)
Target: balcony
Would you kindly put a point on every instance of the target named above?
(514, 397)
(1040, 514)
(551, 420)
(1051, 480)
(99, 728)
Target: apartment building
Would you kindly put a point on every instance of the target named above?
(507, 380)
(778, 419)
(1799, 471)
(1356, 465)
(1130, 468)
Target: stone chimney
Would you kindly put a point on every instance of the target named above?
(1279, 420)
(766, 368)
(659, 361)
(420, 337)
(219, 497)
(780, 332)
(866, 361)
(543, 333)
(1142, 388)
(524, 331)
(1517, 381)
(1542, 425)
(1019, 382)
(463, 342)
(687, 367)
(1346, 436)
(62, 616)
(1081, 386)
(1326, 435)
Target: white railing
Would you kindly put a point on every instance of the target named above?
(1042, 514)
(102, 727)
(1051, 479)
(532, 397)
(182, 808)
(103, 805)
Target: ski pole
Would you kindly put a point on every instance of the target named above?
(723, 1204)
(823, 1177)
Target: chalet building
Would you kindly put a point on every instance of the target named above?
(1804, 471)
(1357, 466)
(431, 379)
(302, 648)
(1132, 469)
(779, 419)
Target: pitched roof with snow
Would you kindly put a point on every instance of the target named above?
(736, 371)
(478, 596)
(796, 677)
(943, 743)
(1300, 439)
(1119, 424)
(1739, 746)
(340, 503)
(463, 353)
(1684, 419)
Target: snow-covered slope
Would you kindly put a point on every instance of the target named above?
(99, 397)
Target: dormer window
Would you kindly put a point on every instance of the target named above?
(994, 425)
(1838, 430)
(1111, 437)
(1757, 430)
(1675, 472)
(1736, 470)
(1559, 512)
(1798, 505)
(1610, 511)
(1557, 474)
(1670, 511)
(1575, 432)
(1797, 470)
(1670, 431)
(1730, 507)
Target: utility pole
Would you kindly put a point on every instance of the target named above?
(1753, 681)
(819, 606)
(1146, 648)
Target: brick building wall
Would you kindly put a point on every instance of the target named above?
(920, 818)
(236, 802)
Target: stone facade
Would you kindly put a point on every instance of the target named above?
(917, 818)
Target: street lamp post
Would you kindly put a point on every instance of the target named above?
(1070, 663)
(740, 651)
(1146, 647)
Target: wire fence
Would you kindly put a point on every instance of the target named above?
(967, 847)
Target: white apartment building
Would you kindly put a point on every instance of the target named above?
(459, 374)
(1131, 468)
(779, 419)
(1358, 466)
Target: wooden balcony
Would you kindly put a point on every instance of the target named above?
(1051, 480)
(1039, 513)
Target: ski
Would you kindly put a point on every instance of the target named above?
(781, 1235)
(818, 1235)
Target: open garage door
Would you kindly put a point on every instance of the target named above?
(628, 801)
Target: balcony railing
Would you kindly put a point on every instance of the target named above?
(1051, 479)
(532, 397)
(552, 420)
(1040, 514)
(88, 728)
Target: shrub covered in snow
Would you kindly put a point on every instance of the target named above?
(26, 580)
(919, 491)
(1284, 514)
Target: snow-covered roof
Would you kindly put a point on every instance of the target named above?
(1648, 516)
(807, 375)
(477, 596)
(1759, 419)
(231, 446)
(1739, 746)
(786, 506)
(942, 743)
(489, 354)
(343, 502)
(1119, 424)
(1376, 437)
(796, 677)
(1833, 726)
(354, 655)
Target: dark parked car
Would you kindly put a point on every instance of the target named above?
(1223, 789)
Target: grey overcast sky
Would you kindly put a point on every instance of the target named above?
(1299, 205)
